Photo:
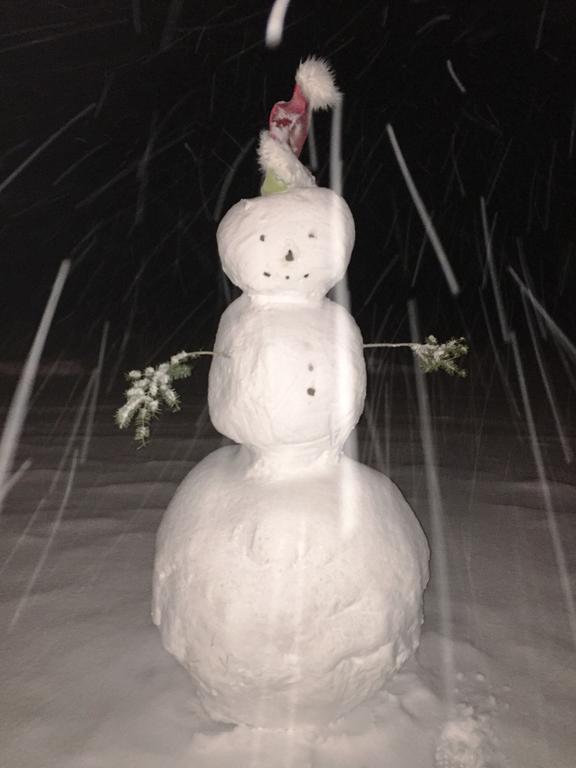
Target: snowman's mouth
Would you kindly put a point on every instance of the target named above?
(286, 277)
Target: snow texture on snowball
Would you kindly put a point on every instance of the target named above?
(316, 80)
(278, 157)
(287, 374)
(280, 616)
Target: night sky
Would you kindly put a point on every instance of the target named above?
(150, 112)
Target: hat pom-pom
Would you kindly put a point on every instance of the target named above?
(316, 80)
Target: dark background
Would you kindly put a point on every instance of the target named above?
(132, 192)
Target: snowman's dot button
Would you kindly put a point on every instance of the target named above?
(311, 391)
(287, 277)
(307, 274)
(266, 274)
(310, 367)
(262, 237)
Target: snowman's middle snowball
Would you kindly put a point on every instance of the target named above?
(286, 375)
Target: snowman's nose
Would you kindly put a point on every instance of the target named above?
(289, 256)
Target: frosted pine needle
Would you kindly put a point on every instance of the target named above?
(433, 356)
(151, 389)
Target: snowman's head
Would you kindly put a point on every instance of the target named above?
(289, 244)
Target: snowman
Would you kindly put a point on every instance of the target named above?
(288, 578)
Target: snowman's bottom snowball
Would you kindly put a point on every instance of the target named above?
(292, 600)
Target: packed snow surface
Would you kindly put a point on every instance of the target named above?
(289, 599)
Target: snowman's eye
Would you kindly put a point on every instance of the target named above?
(266, 274)
(311, 234)
(262, 237)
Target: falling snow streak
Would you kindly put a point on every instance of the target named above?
(75, 165)
(439, 548)
(15, 478)
(383, 275)
(137, 278)
(126, 335)
(41, 28)
(228, 180)
(97, 373)
(82, 413)
(104, 94)
(498, 171)
(454, 76)
(549, 186)
(195, 311)
(558, 334)
(142, 172)
(419, 260)
(505, 379)
(425, 218)
(46, 549)
(50, 140)
(131, 168)
(341, 291)
(504, 328)
(454, 158)
(40, 508)
(19, 405)
(553, 529)
(79, 256)
(311, 144)
(52, 38)
(529, 282)
(336, 148)
(275, 25)
(538, 39)
(171, 20)
(566, 448)
(432, 23)
(510, 337)
(572, 132)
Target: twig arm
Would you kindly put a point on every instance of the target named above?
(433, 356)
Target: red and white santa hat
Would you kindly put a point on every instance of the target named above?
(281, 145)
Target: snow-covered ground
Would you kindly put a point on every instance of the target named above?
(87, 684)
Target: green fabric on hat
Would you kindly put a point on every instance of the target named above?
(272, 185)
